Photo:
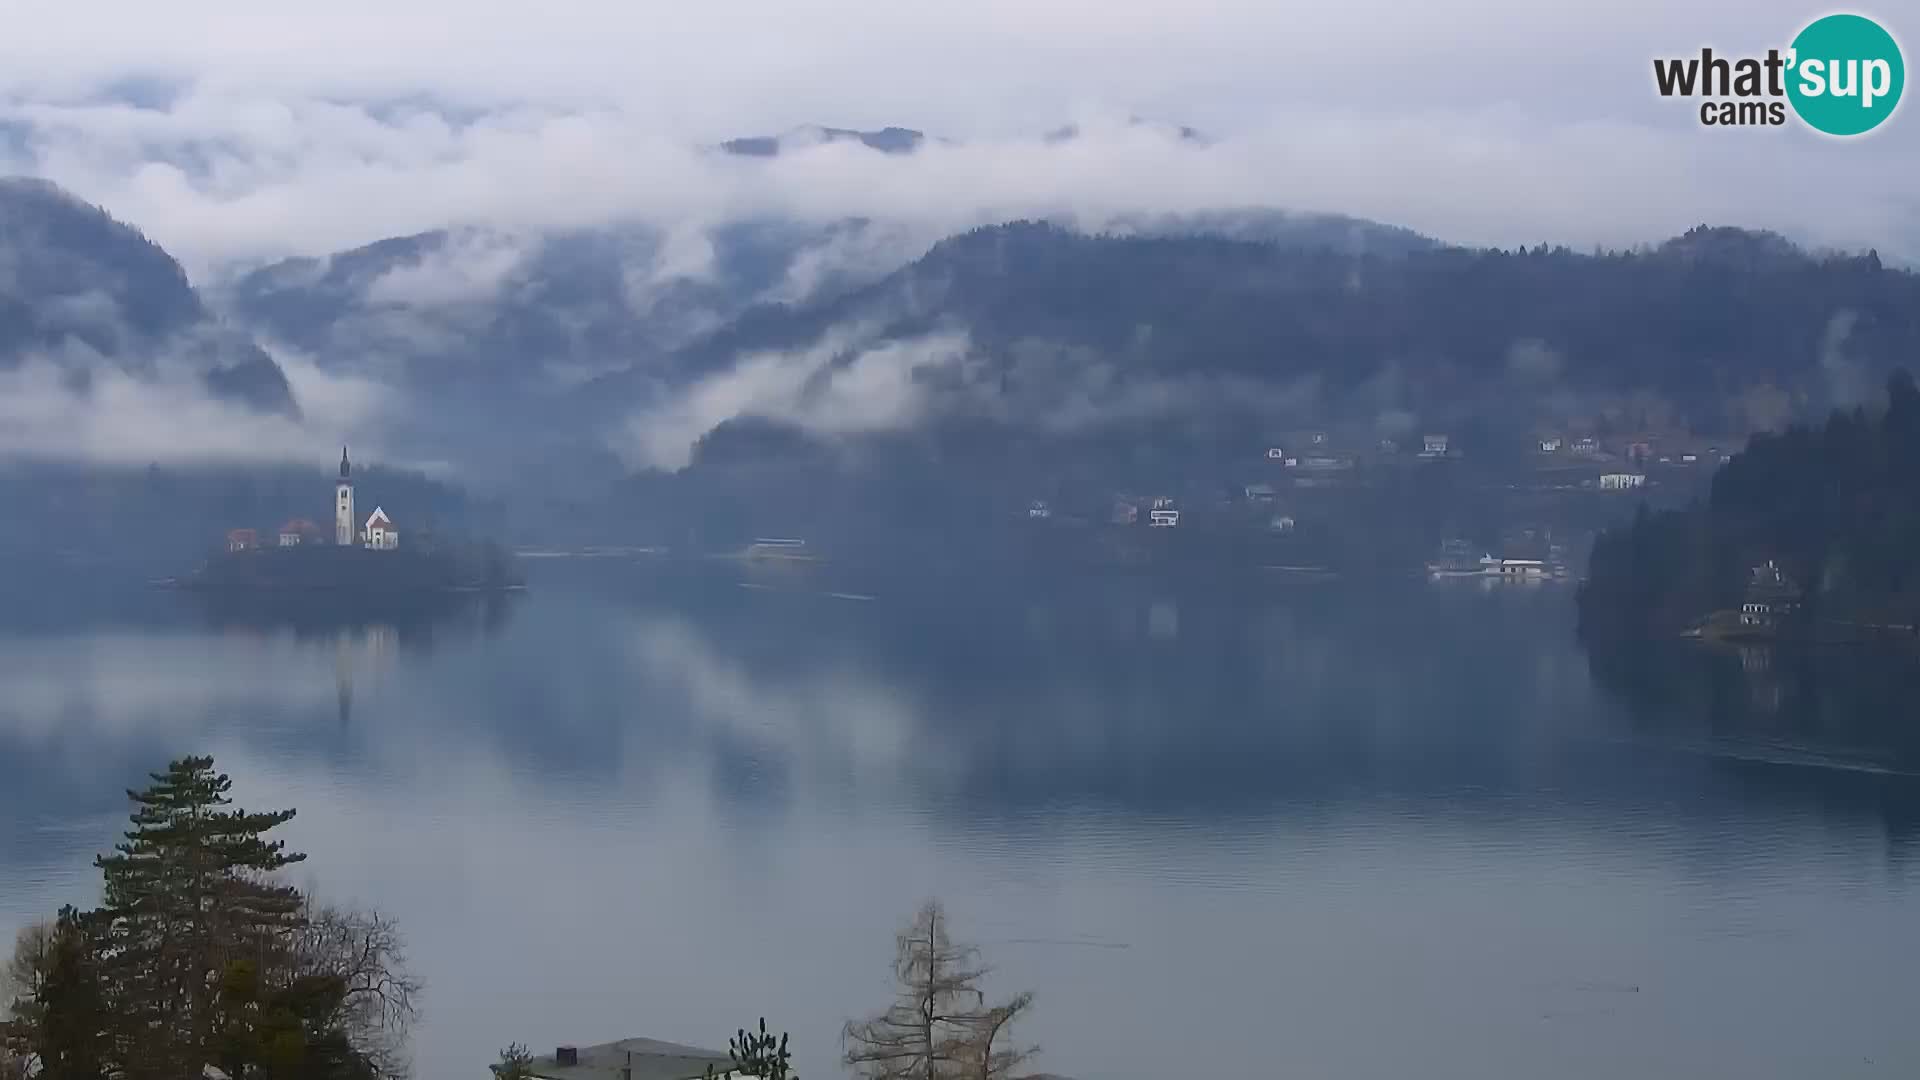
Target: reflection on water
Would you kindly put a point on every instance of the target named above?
(1400, 832)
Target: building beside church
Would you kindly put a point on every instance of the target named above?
(380, 532)
(299, 531)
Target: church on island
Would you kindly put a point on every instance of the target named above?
(378, 533)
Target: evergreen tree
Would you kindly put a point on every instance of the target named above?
(516, 1063)
(290, 1032)
(187, 895)
(67, 1031)
(759, 1055)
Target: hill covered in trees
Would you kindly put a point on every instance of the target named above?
(1719, 332)
(79, 290)
(1835, 506)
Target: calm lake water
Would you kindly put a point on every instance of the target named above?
(1395, 831)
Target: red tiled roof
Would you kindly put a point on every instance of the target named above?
(299, 525)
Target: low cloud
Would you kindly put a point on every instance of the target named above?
(841, 385)
(470, 267)
(1532, 360)
(110, 416)
(1848, 381)
(223, 174)
(851, 383)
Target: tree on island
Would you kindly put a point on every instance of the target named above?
(200, 956)
(939, 1026)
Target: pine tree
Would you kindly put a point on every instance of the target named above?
(759, 1055)
(187, 895)
(71, 1016)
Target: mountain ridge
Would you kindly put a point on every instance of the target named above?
(80, 289)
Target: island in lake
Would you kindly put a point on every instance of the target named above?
(359, 559)
(1809, 535)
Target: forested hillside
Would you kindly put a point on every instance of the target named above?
(1716, 331)
(80, 290)
(1837, 506)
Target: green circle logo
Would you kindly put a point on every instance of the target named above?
(1845, 75)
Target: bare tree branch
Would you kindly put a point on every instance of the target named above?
(939, 1026)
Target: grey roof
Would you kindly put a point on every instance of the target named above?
(650, 1059)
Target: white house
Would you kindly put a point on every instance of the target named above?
(381, 534)
(1163, 519)
(1039, 510)
(1621, 481)
(1433, 446)
(1550, 444)
(1275, 453)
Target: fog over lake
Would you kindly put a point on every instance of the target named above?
(646, 800)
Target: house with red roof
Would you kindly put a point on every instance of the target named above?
(300, 531)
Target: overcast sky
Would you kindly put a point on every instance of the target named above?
(248, 130)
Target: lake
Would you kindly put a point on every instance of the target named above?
(1387, 831)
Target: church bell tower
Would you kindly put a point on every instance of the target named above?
(343, 504)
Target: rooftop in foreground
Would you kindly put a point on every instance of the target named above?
(632, 1059)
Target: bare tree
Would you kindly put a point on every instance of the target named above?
(27, 967)
(21, 982)
(996, 1064)
(366, 951)
(939, 1026)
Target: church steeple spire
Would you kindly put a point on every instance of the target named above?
(344, 534)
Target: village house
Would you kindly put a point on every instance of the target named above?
(1550, 444)
(1260, 493)
(1326, 463)
(242, 539)
(1433, 446)
(299, 531)
(1772, 599)
(1620, 481)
